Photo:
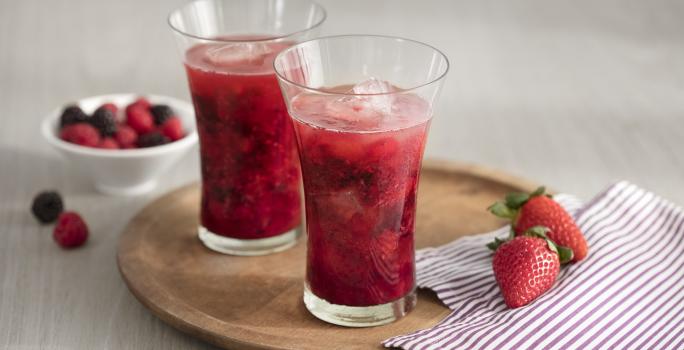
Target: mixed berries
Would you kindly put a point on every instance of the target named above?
(543, 236)
(71, 230)
(141, 125)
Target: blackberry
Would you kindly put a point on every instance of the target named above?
(72, 114)
(161, 113)
(47, 206)
(152, 139)
(104, 121)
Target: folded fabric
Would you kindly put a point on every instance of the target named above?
(627, 294)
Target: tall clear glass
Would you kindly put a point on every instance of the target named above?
(250, 169)
(361, 107)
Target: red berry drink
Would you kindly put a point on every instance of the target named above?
(361, 147)
(361, 158)
(250, 167)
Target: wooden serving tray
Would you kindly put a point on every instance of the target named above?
(256, 302)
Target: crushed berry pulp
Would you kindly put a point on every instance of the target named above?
(250, 167)
(360, 168)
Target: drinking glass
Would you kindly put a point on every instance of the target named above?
(251, 180)
(361, 107)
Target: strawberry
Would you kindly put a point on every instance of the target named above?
(525, 266)
(537, 209)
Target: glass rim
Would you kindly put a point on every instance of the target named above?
(328, 92)
(265, 39)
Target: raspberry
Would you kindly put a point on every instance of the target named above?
(47, 206)
(82, 134)
(111, 107)
(161, 113)
(173, 129)
(140, 119)
(71, 115)
(108, 143)
(104, 121)
(141, 101)
(70, 231)
(152, 139)
(126, 137)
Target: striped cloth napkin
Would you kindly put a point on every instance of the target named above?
(627, 294)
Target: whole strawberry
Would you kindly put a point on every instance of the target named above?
(537, 209)
(525, 267)
(71, 231)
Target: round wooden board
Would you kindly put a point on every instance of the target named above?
(256, 302)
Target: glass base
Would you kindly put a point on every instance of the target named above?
(248, 247)
(359, 316)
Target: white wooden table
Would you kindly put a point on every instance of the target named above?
(573, 94)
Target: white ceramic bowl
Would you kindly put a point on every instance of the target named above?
(124, 171)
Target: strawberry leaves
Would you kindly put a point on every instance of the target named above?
(497, 242)
(515, 200)
(502, 210)
(508, 209)
(565, 254)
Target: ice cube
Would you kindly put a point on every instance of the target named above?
(238, 53)
(345, 202)
(372, 86)
(365, 106)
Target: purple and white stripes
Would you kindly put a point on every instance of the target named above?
(627, 294)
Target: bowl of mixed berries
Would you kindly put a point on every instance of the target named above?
(123, 141)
